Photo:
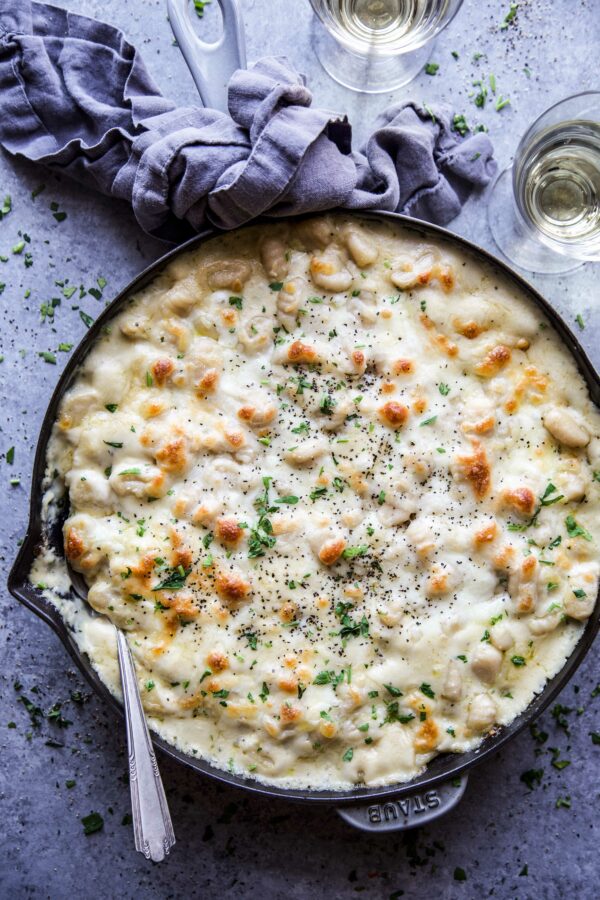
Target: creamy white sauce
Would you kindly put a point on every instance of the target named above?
(329, 440)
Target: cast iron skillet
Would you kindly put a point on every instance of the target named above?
(389, 808)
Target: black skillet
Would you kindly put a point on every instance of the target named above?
(394, 807)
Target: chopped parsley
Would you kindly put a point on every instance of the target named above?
(261, 535)
(353, 552)
(327, 404)
(329, 677)
(575, 530)
(252, 639)
(427, 690)
(546, 499)
(199, 7)
(432, 68)
(459, 124)
(92, 823)
(350, 628)
(393, 714)
(222, 694)
(394, 691)
(532, 778)
(174, 581)
(303, 428)
(6, 207)
(509, 17)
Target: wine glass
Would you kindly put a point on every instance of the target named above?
(375, 46)
(544, 210)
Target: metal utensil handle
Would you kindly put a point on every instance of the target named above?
(211, 64)
(406, 812)
(152, 827)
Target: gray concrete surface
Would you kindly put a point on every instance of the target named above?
(510, 841)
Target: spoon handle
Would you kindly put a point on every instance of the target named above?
(152, 827)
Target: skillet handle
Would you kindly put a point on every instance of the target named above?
(211, 65)
(406, 812)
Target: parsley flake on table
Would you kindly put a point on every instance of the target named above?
(92, 823)
(6, 207)
(459, 124)
(532, 778)
(509, 17)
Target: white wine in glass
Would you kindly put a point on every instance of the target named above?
(377, 45)
(544, 211)
(558, 183)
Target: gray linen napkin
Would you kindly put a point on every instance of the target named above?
(76, 96)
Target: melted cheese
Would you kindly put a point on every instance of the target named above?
(336, 485)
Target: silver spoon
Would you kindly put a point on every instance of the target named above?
(152, 826)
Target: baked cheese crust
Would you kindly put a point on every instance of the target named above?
(339, 486)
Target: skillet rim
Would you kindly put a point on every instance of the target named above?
(442, 768)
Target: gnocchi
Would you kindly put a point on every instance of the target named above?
(340, 487)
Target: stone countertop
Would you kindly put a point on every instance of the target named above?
(509, 840)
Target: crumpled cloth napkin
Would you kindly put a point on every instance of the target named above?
(76, 96)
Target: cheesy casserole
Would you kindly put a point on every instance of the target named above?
(339, 486)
